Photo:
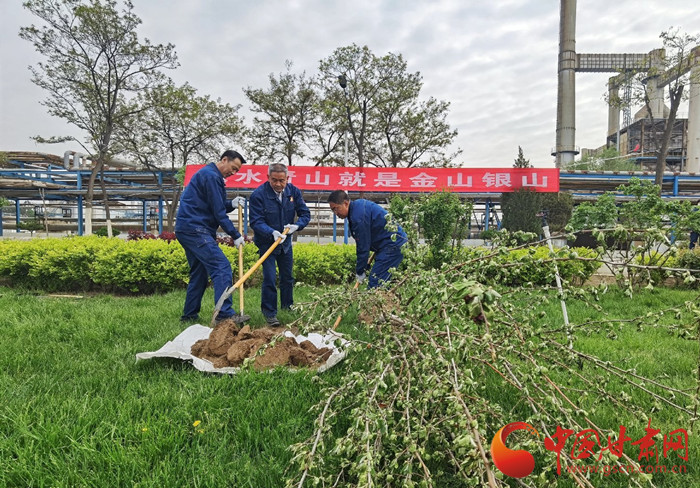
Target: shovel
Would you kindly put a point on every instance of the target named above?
(357, 284)
(242, 279)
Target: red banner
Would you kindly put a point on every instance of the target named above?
(463, 180)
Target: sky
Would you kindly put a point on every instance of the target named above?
(495, 62)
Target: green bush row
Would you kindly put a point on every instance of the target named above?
(145, 266)
(148, 266)
(685, 259)
(530, 266)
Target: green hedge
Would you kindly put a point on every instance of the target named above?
(145, 266)
(152, 265)
(323, 263)
(530, 266)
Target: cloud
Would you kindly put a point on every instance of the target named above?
(495, 62)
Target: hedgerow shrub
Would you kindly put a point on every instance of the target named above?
(690, 259)
(530, 266)
(316, 263)
(146, 265)
(52, 264)
(154, 265)
(653, 276)
(104, 232)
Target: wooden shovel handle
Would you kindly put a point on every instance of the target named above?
(240, 259)
(242, 279)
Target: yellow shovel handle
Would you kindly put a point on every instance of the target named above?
(240, 258)
(242, 279)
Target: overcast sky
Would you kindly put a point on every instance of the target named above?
(495, 62)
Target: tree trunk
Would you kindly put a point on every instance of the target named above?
(675, 96)
(89, 197)
(46, 217)
(105, 199)
(172, 208)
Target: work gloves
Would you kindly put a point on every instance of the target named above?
(239, 242)
(360, 277)
(292, 228)
(278, 235)
(238, 201)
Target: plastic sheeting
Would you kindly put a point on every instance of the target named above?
(179, 348)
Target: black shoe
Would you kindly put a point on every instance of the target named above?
(241, 318)
(189, 319)
(238, 319)
(272, 321)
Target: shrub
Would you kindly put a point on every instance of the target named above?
(602, 214)
(137, 235)
(559, 207)
(489, 234)
(530, 266)
(154, 265)
(323, 264)
(145, 265)
(52, 264)
(690, 259)
(443, 220)
(31, 225)
(167, 236)
(655, 276)
(102, 232)
(520, 209)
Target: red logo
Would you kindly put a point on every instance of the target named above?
(516, 464)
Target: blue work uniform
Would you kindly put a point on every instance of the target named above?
(368, 227)
(269, 213)
(202, 210)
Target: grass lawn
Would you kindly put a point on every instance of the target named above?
(78, 410)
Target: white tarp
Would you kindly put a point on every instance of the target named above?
(180, 347)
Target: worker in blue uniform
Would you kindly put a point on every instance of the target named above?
(367, 222)
(202, 210)
(694, 231)
(274, 205)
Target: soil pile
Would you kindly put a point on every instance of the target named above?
(228, 345)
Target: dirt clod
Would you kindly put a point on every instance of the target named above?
(228, 345)
(222, 336)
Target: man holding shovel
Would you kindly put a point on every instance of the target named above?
(202, 210)
(273, 207)
(368, 227)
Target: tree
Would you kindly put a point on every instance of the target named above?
(520, 209)
(521, 162)
(93, 62)
(379, 107)
(558, 207)
(285, 111)
(326, 134)
(174, 125)
(670, 66)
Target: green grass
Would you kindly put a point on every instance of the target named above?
(78, 410)
(653, 350)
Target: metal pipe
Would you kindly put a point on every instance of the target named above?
(566, 100)
(693, 145)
